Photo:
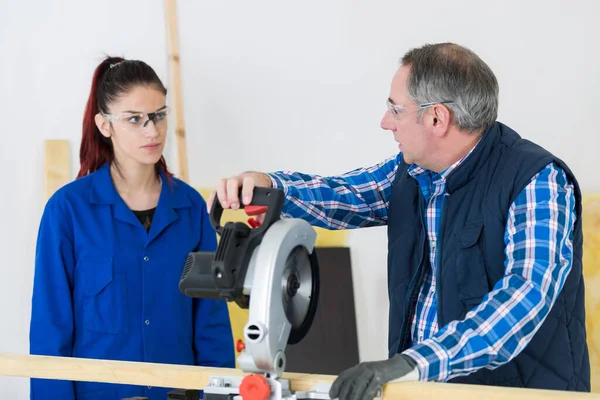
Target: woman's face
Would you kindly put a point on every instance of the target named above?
(137, 126)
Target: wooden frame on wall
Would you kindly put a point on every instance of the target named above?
(57, 168)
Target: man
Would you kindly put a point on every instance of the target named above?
(484, 236)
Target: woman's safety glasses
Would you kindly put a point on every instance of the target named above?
(137, 122)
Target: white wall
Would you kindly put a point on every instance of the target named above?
(264, 80)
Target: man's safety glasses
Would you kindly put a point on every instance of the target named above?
(397, 110)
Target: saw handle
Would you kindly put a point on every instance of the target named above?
(267, 200)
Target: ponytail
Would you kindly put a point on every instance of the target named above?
(95, 149)
(113, 77)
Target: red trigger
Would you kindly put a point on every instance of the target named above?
(253, 223)
(255, 210)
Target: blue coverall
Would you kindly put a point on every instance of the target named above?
(105, 288)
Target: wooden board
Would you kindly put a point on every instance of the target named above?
(331, 344)
(591, 273)
(190, 377)
(175, 89)
(57, 169)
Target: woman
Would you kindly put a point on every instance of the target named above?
(113, 243)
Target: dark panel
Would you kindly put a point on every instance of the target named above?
(331, 345)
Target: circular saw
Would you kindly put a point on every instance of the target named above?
(269, 268)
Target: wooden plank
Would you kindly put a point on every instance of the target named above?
(591, 274)
(176, 89)
(191, 377)
(57, 169)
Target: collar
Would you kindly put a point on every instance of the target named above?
(171, 197)
(103, 190)
(414, 170)
(463, 170)
(479, 156)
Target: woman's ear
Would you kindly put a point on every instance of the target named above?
(103, 125)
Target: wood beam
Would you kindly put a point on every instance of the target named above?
(57, 169)
(193, 377)
(176, 89)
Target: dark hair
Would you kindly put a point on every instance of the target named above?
(450, 72)
(112, 78)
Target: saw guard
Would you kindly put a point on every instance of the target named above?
(268, 330)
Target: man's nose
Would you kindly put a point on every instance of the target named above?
(387, 122)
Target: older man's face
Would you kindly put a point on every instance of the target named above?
(412, 137)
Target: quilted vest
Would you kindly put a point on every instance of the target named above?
(471, 260)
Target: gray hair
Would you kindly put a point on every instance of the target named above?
(449, 72)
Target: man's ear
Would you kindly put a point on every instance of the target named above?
(103, 125)
(441, 119)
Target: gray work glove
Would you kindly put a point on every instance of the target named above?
(364, 381)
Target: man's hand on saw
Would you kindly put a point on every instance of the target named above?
(227, 191)
(364, 381)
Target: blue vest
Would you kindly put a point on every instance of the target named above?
(471, 260)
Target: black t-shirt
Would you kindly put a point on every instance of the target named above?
(145, 217)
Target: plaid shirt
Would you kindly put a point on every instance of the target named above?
(538, 241)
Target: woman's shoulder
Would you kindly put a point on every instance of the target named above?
(74, 192)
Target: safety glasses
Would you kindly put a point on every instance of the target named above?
(397, 110)
(138, 122)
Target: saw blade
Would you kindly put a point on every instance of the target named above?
(300, 291)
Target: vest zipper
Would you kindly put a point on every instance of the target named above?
(409, 306)
(438, 264)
